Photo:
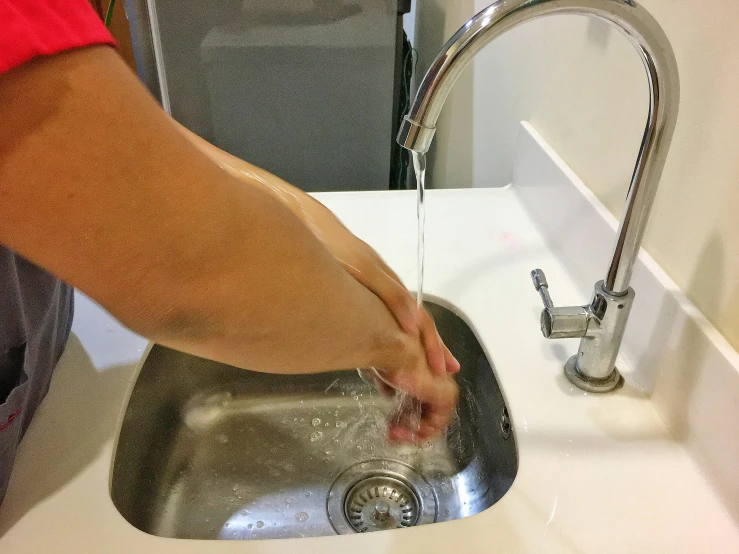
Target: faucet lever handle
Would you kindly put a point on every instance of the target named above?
(559, 323)
(539, 279)
(541, 286)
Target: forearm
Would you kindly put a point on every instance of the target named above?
(115, 201)
(289, 195)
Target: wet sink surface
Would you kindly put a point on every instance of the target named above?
(208, 451)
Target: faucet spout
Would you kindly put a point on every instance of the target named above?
(651, 43)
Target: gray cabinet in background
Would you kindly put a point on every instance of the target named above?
(307, 89)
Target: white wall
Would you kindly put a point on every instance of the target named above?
(580, 84)
(450, 155)
(409, 22)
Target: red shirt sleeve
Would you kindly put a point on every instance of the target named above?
(30, 28)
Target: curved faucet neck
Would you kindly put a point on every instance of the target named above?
(644, 33)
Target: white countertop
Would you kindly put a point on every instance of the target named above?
(596, 473)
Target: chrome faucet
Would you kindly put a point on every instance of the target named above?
(600, 324)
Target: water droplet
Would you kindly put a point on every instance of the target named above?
(260, 524)
(316, 421)
(315, 435)
(235, 487)
(325, 424)
(226, 525)
(289, 500)
(340, 424)
(223, 439)
(302, 516)
(355, 397)
(249, 526)
(328, 452)
(244, 512)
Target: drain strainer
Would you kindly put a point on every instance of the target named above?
(380, 494)
(380, 502)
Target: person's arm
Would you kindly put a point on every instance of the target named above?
(356, 256)
(99, 188)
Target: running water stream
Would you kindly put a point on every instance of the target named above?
(406, 410)
(419, 165)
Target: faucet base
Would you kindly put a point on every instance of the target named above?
(577, 378)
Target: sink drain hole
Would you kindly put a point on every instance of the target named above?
(380, 494)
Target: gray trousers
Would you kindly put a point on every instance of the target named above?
(35, 319)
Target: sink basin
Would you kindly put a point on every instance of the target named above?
(209, 451)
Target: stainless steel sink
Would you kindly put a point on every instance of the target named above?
(209, 451)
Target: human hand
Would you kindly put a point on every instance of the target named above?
(369, 269)
(425, 401)
(425, 393)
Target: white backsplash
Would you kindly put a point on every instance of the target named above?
(670, 349)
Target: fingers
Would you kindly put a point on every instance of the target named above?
(409, 316)
(452, 365)
(394, 295)
(385, 268)
(371, 255)
(435, 416)
(433, 344)
(397, 433)
(378, 277)
(440, 358)
(435, 394)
